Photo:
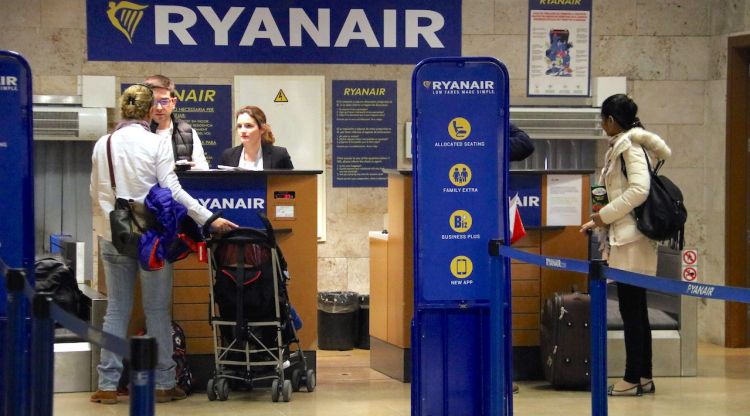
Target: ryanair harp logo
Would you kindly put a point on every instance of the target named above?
(125, 17)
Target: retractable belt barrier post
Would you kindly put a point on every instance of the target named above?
(42, 355)
(142, 364)
(16, 352)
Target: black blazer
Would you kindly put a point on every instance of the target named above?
(274, 157)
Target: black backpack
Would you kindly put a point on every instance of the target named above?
(183, 373)
(662, 216)
(53, 275)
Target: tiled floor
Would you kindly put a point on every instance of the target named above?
(348, 387)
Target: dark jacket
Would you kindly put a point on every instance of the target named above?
(182, 139)
(521, 146)
(274, 157)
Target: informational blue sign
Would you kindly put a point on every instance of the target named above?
(529, 191)
(208, 109)
(297, 31)
(16, 227)
(364, 132)
(461, 292)
(457, 179)
(239, 195)
(16, 157)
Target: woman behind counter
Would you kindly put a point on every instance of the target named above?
(257, 151)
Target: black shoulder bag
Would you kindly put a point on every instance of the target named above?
(126, 229)
(662, 216)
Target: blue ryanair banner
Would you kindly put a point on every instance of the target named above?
(461, 290)
(16, 156)
(311, 31)
(459, 177)
(239, 195)
(529, 191)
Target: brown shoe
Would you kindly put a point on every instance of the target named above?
(175, 393)
(104, 397)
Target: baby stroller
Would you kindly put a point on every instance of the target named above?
(251, 318)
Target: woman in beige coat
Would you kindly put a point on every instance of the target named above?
(627, 248)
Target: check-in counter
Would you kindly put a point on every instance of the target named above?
(553, 206)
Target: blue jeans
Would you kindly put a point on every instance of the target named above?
(156, 294)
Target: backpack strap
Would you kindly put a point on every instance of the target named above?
(653, 171)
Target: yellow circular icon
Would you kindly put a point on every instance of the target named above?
(460, 174)
(461, 267)
(460, 221)
(459, 128)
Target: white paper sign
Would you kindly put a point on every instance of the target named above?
(564, 200)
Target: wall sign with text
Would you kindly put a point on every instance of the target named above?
(311, 31)
(559, 48)
(364, 132)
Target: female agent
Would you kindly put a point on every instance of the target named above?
(257, 151)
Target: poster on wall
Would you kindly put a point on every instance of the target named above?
(295, 31)
(364, 132)
(208, 110)
(559, 48)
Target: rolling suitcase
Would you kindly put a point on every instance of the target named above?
(565, 340)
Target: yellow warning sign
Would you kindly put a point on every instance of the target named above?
(280, 97)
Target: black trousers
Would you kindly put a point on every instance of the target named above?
(638, 354)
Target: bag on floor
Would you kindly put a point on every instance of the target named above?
(53, 275)
(565, 340)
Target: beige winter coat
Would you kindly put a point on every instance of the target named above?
(626, 194)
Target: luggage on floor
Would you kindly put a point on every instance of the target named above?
(565, 340)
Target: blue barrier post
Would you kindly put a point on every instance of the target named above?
(598, 292)
(142, 364)
(16, 358)
(42, 355)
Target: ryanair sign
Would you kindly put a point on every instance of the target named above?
(312, 31)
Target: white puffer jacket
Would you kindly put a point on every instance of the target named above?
(626, 194)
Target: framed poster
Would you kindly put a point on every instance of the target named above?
(559, 48)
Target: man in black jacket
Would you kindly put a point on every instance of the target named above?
(520, 144)
(187, 147)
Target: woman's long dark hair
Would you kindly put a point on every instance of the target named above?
(623, 109)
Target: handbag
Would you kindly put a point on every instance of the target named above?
(662, 216)
(128, 220)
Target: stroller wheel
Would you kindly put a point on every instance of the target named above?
(286, 392)
(222, 389)
(211, 389)
(310, 380)
(295, 379)
(275, 390)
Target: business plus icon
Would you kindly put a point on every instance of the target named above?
(125, 17)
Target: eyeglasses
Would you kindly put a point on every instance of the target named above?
(163, 102)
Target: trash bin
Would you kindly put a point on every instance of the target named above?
(363, 322)
(337, 320)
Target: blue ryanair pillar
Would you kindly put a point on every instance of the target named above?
(16, 226)
(461, 339)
